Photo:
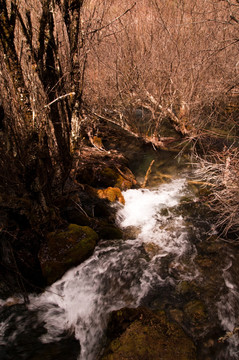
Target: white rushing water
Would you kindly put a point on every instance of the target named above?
(154, 259)
(228, 312)
(120, 273)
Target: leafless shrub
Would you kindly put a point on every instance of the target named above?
(42, 70)
(222, 171)
(135, 62)
(178, 58)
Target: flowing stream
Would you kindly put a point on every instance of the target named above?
(148, 268)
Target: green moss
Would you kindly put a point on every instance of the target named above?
(65, 249)
(143, 335)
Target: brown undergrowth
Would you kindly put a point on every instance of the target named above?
(222, 170)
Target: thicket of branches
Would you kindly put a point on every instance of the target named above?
(221, 170)
(179, 59)
(41, 89)
(175, 60)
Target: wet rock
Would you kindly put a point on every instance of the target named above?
(20, 268)
(131, 232)
(177, 270)
(140, 334)
(95, 206)
(101, 209)
(212, 254)
(211, 246)
(204, 262)
(164, 212)
(192, 209)
(152, 249)
(109, 231)
(195, 313)
(186, 288)
(64, 249)
(68, 348)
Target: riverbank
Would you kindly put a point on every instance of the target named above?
(187, 272)
(107, 159)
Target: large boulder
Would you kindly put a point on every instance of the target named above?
(65, 249)
(140, 334)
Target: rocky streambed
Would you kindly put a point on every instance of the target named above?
(154, 281)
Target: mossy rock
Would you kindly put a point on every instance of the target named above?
(65, 249)
(108, 177)
(109, 232)
(111, 177)
(140, 334)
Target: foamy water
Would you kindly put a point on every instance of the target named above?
(143, 209)
(118, 274)
(123, 273)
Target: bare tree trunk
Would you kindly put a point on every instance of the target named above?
(36, 78)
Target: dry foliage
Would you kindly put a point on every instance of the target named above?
(176, 59)
(41, 68)
(135, 62)
(222, 170)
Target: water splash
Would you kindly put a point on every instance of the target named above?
(120, 273)
(143, 270)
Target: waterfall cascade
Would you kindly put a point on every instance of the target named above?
(123, 273)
